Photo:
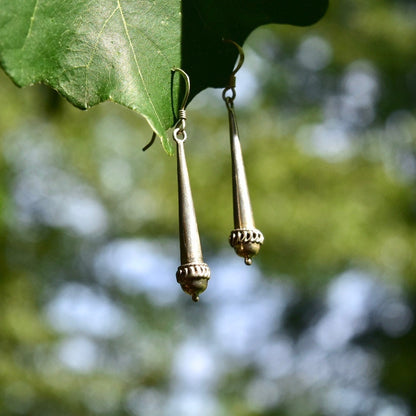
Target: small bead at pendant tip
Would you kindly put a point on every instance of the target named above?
(246, 243)
(193, 278)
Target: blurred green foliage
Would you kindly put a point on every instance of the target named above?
(328, 127)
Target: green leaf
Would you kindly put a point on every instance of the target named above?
(91, 51)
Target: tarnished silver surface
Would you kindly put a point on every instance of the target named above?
(245, 238)
(246, 242)
(193, 278)
(193, 274)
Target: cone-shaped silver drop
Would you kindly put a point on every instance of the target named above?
(193, 274)
(245, 238)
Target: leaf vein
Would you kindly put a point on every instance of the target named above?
(137, 62)
(157, 47)
(32, 19)
(94, 51)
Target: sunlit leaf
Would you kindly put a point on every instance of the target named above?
(123, 50)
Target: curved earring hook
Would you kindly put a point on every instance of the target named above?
(180, 124)
(231, 82)
(185, 77)
(240, 56)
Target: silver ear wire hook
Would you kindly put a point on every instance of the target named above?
(185, 77)
(182, 113)
(181, 123)
(232, 80)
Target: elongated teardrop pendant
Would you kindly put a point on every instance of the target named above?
(246, 239)
(193, 274)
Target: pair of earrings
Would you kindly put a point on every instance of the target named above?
(193, 274)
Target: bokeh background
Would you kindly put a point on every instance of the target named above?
(92, 321)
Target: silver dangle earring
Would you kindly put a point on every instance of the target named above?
(245, 238)
(193, 274)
